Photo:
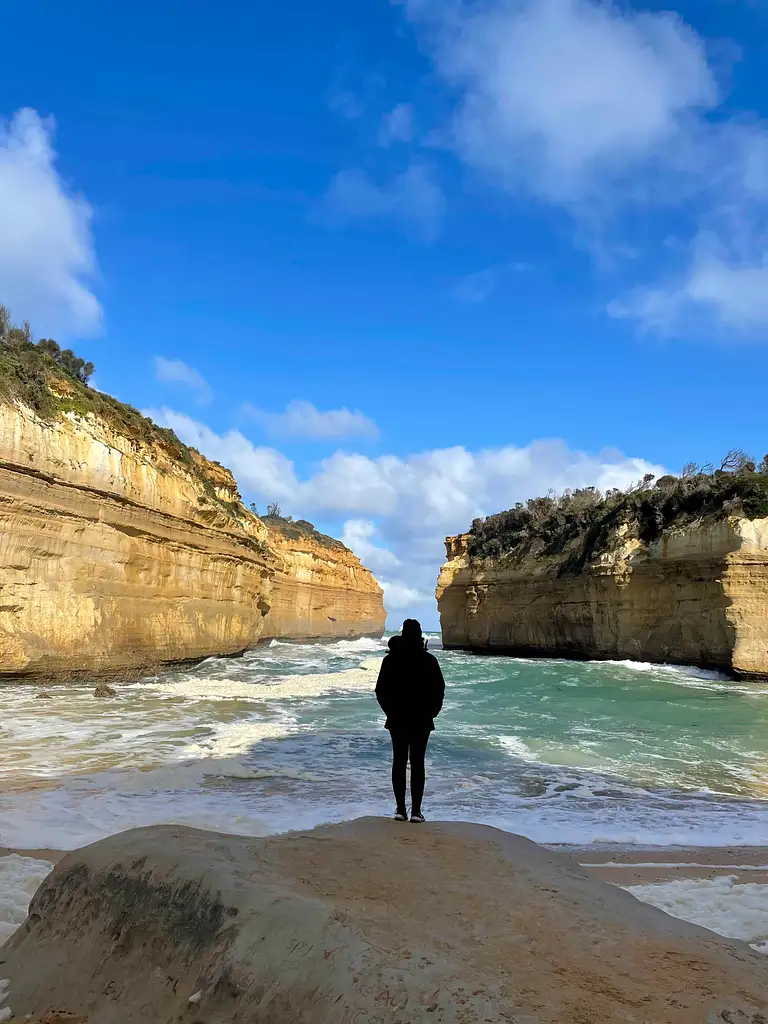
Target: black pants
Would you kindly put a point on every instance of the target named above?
(409, 745)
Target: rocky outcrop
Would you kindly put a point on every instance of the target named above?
(120, 552)
(320, 589)
(698, 596)
(171, 924)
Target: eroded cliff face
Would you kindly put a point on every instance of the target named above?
(697, 596)
(116, 556)
(320, 590)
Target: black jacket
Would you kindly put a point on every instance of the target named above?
(410, 689)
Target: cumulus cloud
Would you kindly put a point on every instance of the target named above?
(46, 248)
(412, 198)
(397, 125)
(262, 471)
(399, 597)
(397, 510)
(358, 535)
(563, 96)
(304, 420)
(175, 371)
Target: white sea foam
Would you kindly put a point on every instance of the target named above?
(19, 879)
(689, 676)
(362, 643)
(720, 904)
(675, 864)
(517, 747)
(689, 671)
(233, 738)
(273, 688)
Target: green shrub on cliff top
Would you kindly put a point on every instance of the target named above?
(295, 529)
(577, 526)
(53, 381)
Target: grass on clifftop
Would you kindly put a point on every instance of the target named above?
(575, 527)
(53, 381)
(297, 529)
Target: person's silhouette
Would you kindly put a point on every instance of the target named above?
(410, 690)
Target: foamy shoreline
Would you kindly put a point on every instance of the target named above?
(650, 865)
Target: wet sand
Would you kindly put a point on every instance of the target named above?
(647, 866)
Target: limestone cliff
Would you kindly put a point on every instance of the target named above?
(121, 549)
(696, 595)
(320, 589)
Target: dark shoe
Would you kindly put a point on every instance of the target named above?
(418, 819)
(401, 816)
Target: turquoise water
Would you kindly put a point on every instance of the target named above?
(291, 736)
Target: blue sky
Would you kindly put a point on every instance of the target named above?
(401, 264)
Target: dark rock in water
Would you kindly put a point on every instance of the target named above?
(102, 690)
(369, 922)
(44, 696)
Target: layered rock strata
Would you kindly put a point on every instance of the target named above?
(117, 555)
(320, 590)
(697, 596)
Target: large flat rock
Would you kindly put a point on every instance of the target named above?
(369, 922)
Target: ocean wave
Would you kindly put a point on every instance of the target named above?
(690, 671)
(19, 880)
(362, 643)
(270, 688)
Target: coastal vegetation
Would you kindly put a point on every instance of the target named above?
(576, 526)
(297, 529)
(54, 381)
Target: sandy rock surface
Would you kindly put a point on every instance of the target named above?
(364, 923)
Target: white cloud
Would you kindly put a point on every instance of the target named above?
(412, 198)
(565, 96)
(596, 107)
(399, 509)
(175, 371)
(46, 248)
(720, 285)
(399, 596)
(304, 420)
(357, 535)
(397, 125)
(263, 471)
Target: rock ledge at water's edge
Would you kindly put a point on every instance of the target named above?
(370, 921)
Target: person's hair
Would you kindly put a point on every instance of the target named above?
(411, 633)
(394, 642)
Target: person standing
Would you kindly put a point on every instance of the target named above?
(410, 691)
